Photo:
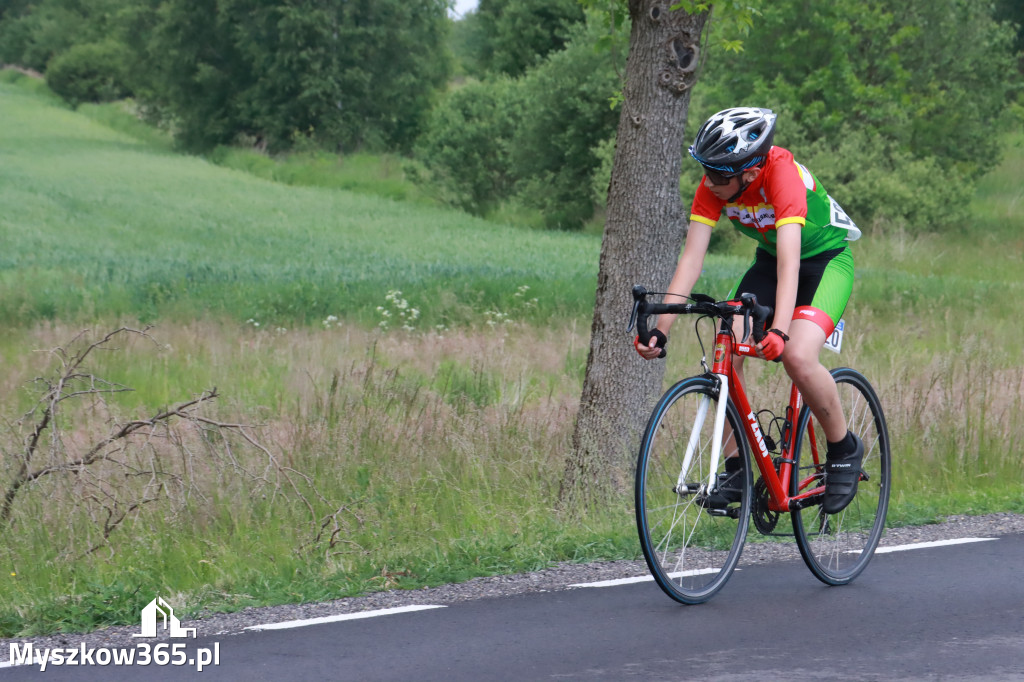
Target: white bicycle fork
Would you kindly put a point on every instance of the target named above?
(716, 440)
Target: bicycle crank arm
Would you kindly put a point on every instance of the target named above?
(805, 502)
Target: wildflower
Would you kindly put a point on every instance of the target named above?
(399, 309)
(496, 317)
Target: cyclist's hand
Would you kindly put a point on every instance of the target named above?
(655, 348)
(772, 345)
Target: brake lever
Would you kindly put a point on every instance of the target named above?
(639, 292)
(749, 301)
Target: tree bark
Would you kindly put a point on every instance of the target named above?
(643, 236)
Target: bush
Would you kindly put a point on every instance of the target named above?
(515, 35)
(90, 72)
(871, 96)
(877, 182)
(466, 145)
(567, 121)
(537, 142)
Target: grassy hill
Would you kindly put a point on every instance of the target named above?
(96, 222)
(374, 456)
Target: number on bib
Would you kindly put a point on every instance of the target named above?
(839, 219)
(835, 342)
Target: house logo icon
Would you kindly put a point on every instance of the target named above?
(159, 611)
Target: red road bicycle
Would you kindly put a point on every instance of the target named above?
(692, 543)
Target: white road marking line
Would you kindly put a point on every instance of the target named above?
(616, 582)
(602, 583)
(345, 616)
(643, 578)
(925, 545)
(880, 550)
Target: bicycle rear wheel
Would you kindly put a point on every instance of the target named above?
(690, 547)
(838, 547)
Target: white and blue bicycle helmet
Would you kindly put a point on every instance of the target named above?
(734, 140)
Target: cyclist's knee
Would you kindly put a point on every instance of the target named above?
(799, 351)
(797, 364)
(803, 349)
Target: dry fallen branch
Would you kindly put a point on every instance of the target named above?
(337, 527)
(178, 453)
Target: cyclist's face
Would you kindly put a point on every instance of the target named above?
(722, 190)
(726, 187)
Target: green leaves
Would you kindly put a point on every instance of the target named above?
(344, 74)
(881, 90)
(518, 34)
(532, 140)
(90, 72)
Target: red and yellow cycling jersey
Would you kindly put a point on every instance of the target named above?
(784, 192)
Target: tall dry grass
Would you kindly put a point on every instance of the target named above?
(412, 459)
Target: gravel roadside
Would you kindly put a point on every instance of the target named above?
(559, 577)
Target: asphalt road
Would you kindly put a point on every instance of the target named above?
(944, 613)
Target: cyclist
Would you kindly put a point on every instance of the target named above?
(802, 267)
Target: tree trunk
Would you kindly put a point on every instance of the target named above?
(643, 237)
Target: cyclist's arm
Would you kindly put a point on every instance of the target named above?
(687, 270)
(788, 274)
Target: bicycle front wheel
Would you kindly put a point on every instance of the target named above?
(838, 547)
(691, 541)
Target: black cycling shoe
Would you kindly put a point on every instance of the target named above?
(842, 474)
(729, 490)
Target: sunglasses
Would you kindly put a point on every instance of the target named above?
(717, 177)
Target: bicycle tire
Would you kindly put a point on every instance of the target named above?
(690, 549)
(838, 547)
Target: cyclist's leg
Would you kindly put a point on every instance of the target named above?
(828, 290)
(818, 388)
(760, 280)
(838, 547)
(826, 283)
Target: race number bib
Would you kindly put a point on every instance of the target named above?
(838, 218)
(835, 342)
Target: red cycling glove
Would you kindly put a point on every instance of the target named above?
(773, 344)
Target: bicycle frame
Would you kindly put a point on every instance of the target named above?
(777, 482)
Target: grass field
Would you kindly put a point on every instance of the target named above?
(139, 233)
(394, 439)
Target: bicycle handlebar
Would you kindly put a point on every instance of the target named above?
(746, 305)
